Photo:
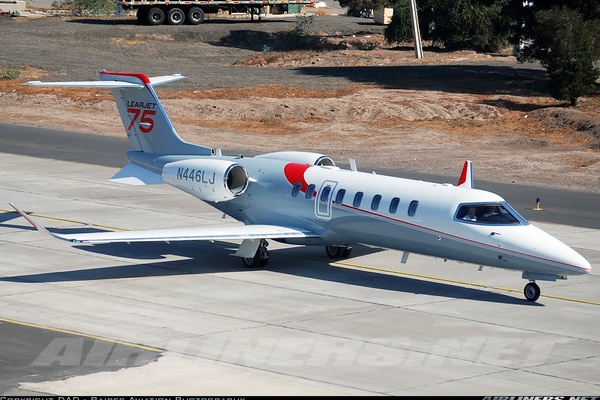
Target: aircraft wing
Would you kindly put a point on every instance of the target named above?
(212, 232)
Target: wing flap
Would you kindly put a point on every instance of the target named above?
(211, 232)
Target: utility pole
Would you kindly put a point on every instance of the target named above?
(414, 19)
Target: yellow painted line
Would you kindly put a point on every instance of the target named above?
(435, 278)
(85, 335)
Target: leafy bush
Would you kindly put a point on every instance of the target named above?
(86, 7)
(9, 73)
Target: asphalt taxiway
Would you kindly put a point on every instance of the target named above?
(156, 319)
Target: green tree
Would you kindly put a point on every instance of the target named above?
(455, 24)
(356, 7)
(566, 41)
(399, 29)
(470, 24)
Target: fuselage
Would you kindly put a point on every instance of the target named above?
(349, 207)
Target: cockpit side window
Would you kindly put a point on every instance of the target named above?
(489, 213)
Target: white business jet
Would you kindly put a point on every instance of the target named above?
(305, 199)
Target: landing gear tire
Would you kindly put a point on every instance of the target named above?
(260, 259)
(337, 252)
(347, 251)
(532, 291)
(176, 16)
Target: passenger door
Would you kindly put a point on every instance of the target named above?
(323, 204)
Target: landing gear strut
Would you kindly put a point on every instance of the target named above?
(532, 291)
(260, 259)
(337, 252)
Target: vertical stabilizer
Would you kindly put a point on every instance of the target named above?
(145, 121)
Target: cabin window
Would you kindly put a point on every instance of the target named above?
(375, 202)
(325, 194)
(339, 198)
(310, 191)
(412, 208)
(489, 213)
(296, 189)
(394, 205)
(357, 199)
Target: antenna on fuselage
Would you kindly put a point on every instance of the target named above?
(352, 162)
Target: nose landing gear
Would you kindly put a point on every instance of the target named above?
(532, 291)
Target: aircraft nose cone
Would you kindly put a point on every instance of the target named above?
(552, 252)
(583, 264)
(574, 262)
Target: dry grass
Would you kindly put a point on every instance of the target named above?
(513, 119)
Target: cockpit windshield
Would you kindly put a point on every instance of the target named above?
(489, 213)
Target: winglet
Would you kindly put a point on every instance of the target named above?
(466, 177)
(36, 225)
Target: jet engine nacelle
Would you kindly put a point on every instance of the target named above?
(300, 157)
(207, 179)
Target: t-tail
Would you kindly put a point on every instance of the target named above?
(146, 123)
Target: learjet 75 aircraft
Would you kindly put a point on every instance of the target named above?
(303, 198)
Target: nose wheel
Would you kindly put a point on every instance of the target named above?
(532, 291)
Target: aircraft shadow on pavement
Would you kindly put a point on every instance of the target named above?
(9, 216)
(206, 258)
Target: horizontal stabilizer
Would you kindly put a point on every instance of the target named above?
(133, 174)
(159, 80)
(88, 84)
(113, 84)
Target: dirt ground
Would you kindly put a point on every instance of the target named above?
(523, 137)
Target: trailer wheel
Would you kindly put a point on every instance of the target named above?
(156, 16)
(142, 15)
(195, 16)
(175, 16)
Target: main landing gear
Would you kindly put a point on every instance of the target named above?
(260, 259)
(337, 252)
(532, 291)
